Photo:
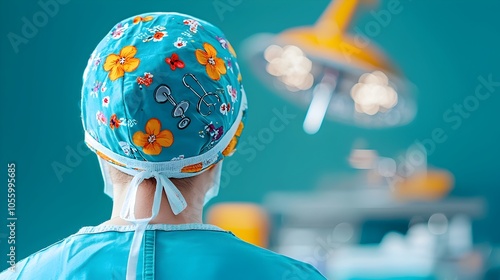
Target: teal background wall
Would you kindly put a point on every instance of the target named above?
(441, 46)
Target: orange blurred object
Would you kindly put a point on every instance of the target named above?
(430, 185)
(328, 39)
(337, 73)
(247, 221)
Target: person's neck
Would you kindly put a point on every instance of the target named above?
(144, 201)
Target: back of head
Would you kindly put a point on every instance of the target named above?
(162, 98)
(161, 92)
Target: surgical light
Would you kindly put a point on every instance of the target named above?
(331, 73)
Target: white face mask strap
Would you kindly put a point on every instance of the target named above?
(108, 184)
(213, 191)
(175, 198)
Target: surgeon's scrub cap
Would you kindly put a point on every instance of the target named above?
(162, 98)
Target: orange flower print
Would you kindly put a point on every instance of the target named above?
(231, 49)
(158, 36)
(154, 139)
(215, 66)
(108, 159)
(193, 168)
(147, 80)
(138, 19)
(241, 126)
(118, 64)
(154, 34)
(114, 122)
(231, 147)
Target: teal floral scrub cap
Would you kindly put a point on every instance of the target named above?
(162, 98)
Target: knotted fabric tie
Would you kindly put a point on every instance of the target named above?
(177, 204)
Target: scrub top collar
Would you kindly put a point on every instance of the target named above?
(162, 227)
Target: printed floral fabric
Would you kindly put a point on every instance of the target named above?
(231, 148)
(163, 87)
(138, 19)
(118, 64)
(213, 65)
(154, 139)
(192, 168)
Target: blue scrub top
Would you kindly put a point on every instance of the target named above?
(179, 252)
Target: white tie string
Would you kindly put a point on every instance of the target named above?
(177, 204)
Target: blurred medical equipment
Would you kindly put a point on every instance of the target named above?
(335, 74)
(247, 221)
(410, 178)
(391, 221)
(327, 228)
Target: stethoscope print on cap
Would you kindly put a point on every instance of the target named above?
(202, 97)
(163, 94)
